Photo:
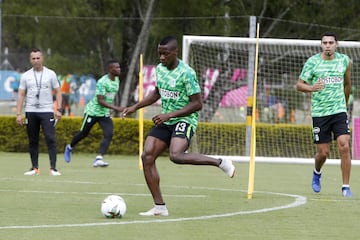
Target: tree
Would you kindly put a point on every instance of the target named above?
(139, 47)
(80, 35)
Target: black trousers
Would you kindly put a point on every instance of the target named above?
(34, 121)
(107, 126)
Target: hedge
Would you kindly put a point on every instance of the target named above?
(280, 140)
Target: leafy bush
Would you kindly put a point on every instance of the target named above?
(280, 140)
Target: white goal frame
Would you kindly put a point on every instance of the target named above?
(189, 39)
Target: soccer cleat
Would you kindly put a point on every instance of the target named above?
(316, 186)
(54, 172)
(67, 153)
(100, 163)
(158, 210)
(32, 171)
(228, 167)
(346, 192)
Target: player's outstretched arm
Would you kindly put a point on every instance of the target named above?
(148, 100)
(102, 102)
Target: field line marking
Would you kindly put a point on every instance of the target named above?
(299, 200)
(330, 200)
(102, 193)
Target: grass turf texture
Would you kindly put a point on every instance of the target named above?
(198, 199)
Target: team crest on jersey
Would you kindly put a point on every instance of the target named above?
(340, 68)
(172, 82)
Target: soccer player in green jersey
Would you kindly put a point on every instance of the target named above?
(326, 76)
(178, 88)
(98, 111)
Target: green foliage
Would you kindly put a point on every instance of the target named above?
(272, 140)
(281, 140)
(62, 65)
(125, 139)
(81, 35)
(74, 31)
(206, 132)
(94, 29)
(12, 136)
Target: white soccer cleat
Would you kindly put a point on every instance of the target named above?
(100, 163)
(54, 172)
(158, 210)
(32, 172)
(228, 167)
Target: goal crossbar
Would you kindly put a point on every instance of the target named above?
(188, 39)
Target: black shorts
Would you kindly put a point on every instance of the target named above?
(324, 127)
(165, 132)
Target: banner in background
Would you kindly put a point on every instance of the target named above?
(9, 82)
(82, 87)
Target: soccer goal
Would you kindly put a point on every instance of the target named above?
(225, 69)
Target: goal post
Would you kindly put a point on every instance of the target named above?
(282, 113)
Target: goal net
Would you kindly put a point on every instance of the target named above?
(225, 69)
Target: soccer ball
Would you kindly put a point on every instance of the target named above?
(113, 206)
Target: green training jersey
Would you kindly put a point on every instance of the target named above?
(331, 99)
(107, 88)
(175, 87)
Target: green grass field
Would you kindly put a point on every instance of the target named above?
(203, 202)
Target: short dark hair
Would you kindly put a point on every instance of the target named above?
(168, 39)
(111, 61)
(35, 49)
(329, 34)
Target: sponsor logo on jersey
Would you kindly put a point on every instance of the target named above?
(169, 94)
(331, 80)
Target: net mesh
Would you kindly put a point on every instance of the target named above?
(282, 113)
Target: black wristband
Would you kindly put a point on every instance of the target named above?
(59, 109)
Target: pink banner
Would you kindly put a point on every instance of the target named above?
(356, 138)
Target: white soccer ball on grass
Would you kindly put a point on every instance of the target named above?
(113, 206)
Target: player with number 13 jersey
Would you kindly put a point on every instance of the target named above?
(175, 86)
